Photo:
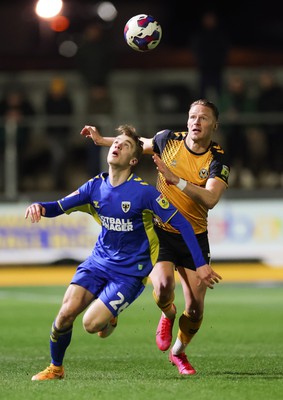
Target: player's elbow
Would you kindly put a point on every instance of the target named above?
(211, 199)
(147, 145)
(211, 203)
(210, 206)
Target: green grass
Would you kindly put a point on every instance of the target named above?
(238, 352)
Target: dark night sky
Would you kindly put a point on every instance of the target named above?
(247, 25)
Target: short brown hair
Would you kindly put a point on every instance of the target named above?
(130, 131)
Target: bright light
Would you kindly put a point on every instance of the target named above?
(68, 48)
(48, 8)
(59, 23)
(106, 11)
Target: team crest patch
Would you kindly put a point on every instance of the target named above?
(162, 201)
(203, 173)
(126, 205)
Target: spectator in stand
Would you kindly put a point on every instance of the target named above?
(58, 106)
(15, 107)
(236, 99)
(270, 100)
(210, 49)
(256, 173)
(94, 62)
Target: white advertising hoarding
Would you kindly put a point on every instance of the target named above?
(247, 229)
(238, 229)
(50, 240)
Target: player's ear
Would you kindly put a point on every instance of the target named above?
(215, 126)
(133, 161)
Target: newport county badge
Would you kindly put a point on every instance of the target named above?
(203, 173)
(126, 205)
(162, 201)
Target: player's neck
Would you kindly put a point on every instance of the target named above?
(118, 176)
(199, 146)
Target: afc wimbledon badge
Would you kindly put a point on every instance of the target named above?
(126, 205)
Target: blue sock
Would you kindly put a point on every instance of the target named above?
(59, 341)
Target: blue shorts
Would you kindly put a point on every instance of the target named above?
(116, 291)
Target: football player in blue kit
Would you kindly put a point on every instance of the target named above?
(115, 273)
(193, 174)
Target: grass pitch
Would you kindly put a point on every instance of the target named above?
(238, 352)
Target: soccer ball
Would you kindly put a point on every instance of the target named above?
(142, 32)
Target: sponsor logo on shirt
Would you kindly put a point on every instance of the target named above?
(117, 224)
(225, 171)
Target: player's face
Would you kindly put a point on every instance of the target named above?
(121, 152)
(201, 123)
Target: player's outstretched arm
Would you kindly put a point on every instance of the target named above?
(203, 270)
(35, 211)
(93, 133)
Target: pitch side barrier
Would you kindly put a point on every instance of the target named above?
(239, 230)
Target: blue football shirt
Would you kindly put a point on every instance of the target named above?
(127, 243)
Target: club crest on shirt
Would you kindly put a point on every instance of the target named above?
(162, 201)
(203, 173)
(126, 205)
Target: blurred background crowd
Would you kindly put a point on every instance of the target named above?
(59, 74)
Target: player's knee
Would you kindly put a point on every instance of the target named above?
(164, 300)
(164, 289)
(66, 316)
(91, 325)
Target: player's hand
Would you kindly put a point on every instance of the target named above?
(171, 179)
(35, 211)
(208, 276)
(93, 133)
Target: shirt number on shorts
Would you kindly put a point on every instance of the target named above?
(118, 304)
